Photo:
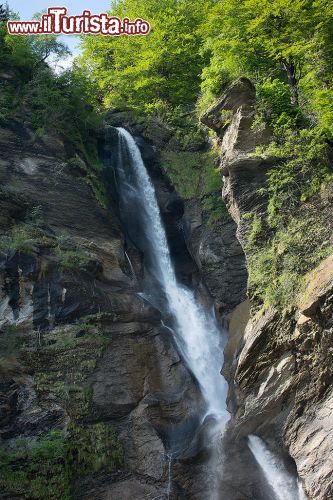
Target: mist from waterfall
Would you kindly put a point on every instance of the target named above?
(196, 332)
(284, 485)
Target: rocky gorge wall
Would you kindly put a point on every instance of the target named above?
(81, 353)
(280, 366)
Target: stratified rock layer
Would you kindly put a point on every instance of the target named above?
(94, 351)
(282, 366)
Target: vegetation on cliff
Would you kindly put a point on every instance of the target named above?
(46, 468)
(58, 104)
(194, 51)
(47, 465)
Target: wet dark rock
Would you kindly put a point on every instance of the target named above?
(219, 256)
(92, 349)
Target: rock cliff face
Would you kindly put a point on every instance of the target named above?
(219, 256)
(81, 352)
(281, 366)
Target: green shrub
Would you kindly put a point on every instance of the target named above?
(194, 175)
(22, 239)
(71, 258)
(277, 267)
(39, 470)
(93, 447)
(185, 171)
(28, 238)
(45, 469)
(256, 229)
(301, 169)
(55, 104)
(273, 100)
(299, 147)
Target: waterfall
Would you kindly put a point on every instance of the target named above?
(196, 332)
(284, 485)
(194, 329)
(169, 461)
(130, 265)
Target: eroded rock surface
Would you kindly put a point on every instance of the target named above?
(281, 364)
(218, 255)
(93, 351)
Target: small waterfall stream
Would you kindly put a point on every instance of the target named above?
(130, 265)
(169, 462)
(284, 485)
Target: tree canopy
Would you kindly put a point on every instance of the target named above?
(150, 72)
(196, 48)
(194, 51)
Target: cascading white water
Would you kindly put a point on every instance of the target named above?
(130, 264)
(284, 485)
(169, 459)
(196, 332)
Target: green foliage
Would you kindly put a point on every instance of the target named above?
(153, 72)
(156, 75)
(28, 238)
(85, 330)
(39, 469)
(289, 43)
(46, 468)
(302, 167)
(23, 58)
(54, 104)
(273, 101)
(184, 169)
(256, 229)
(10, 341)
(71, 259)
(7, 101)
(94, 447)
(59, 104)
(70, 256)
(277, 267)
(29, 51)
(22, 239)
(195, 175)
(88, 162)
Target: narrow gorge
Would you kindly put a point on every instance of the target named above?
(166, 257)
(137, 380)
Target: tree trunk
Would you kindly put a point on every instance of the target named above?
(290, 68)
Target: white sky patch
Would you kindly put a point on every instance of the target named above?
(60, 65)
(26, 11)
(65, 63)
